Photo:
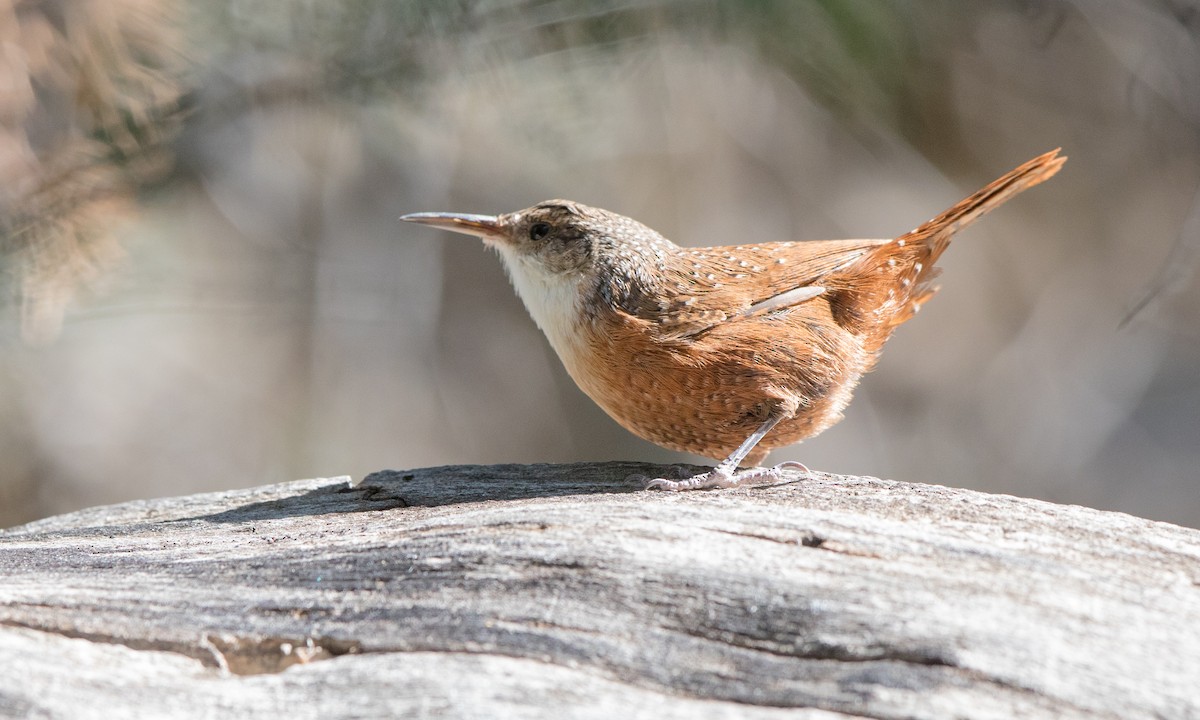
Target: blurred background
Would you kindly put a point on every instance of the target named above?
(206, 285)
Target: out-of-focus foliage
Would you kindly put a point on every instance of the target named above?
(271, 319)
(89, 95)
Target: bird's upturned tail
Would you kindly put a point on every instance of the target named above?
(887, 285)
(920, 248)
(995, 193)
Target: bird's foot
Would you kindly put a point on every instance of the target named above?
(723, 477)
(681, 473)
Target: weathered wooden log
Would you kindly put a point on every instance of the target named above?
(565, 591)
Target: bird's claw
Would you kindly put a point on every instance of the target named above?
(720, 477)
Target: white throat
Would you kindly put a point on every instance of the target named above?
(553, 301)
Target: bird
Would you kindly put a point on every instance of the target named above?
(726, 352)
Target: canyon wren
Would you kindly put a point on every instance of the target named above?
(726, 352)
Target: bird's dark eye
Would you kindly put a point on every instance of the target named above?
(539, 230)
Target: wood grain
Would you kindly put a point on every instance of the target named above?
(552, 591)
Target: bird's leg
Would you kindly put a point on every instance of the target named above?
(725, 474)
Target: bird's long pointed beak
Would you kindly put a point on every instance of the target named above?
(487, 227)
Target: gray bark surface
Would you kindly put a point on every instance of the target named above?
(566, 591)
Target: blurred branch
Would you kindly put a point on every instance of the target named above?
(1179, 267)
(1158, 42)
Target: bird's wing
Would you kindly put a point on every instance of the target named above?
(721, 284)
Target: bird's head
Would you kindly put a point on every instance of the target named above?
(565, 259)
(555, 237)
